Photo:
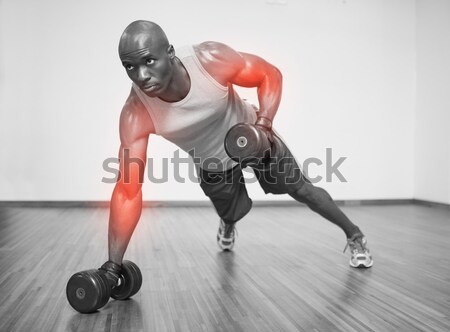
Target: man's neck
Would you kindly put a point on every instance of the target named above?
(179, 86)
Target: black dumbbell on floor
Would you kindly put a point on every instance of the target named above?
(88, 291)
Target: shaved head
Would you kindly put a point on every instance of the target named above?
(150, 61)
(141, 34)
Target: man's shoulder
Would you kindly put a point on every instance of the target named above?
(220, 60)
(214, 51)
(134, 113)
(133, 101)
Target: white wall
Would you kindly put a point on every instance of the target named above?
(349, 85)
(432, 137)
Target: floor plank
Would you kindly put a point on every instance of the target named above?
(286, 273)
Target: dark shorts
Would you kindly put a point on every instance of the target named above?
(278, 174)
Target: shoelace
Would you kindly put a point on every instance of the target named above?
(358, 245)
(223, 229)
(230, 235)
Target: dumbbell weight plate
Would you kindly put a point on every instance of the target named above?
(137, 276)
(87, 291)
(130, 281)
(106, 288)
(244, 142)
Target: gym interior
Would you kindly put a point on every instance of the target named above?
(365, 110)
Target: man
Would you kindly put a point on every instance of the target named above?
(188, 98)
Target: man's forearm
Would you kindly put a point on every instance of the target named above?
(125, 212)
(269, 94)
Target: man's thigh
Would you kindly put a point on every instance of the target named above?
(227, 192)
(280, 172)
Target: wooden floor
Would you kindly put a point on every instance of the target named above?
(286, 273)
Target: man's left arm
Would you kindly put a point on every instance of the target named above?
(256, 72)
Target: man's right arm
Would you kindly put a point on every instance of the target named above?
(126, 202)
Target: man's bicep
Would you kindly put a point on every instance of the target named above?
(133, 160)
(253, 72)
(134, 135)
(227, 65)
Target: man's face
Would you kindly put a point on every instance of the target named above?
(149, 65)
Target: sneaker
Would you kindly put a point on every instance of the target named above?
(225, 236)
(361, 256)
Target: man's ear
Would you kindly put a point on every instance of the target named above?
(171, 51)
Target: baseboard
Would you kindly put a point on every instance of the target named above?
(105, 204)
(431, 204)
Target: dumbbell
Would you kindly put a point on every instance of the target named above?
(247, 143)
(88, 291)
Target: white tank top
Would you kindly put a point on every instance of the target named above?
(199, 122)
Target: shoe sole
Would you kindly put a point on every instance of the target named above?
(226, 248)
(361, 265)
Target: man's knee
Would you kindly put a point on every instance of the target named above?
(304, 193)
(311, 195)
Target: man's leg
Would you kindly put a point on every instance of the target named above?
(280, 174)
(228, 194)
(318, 200)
